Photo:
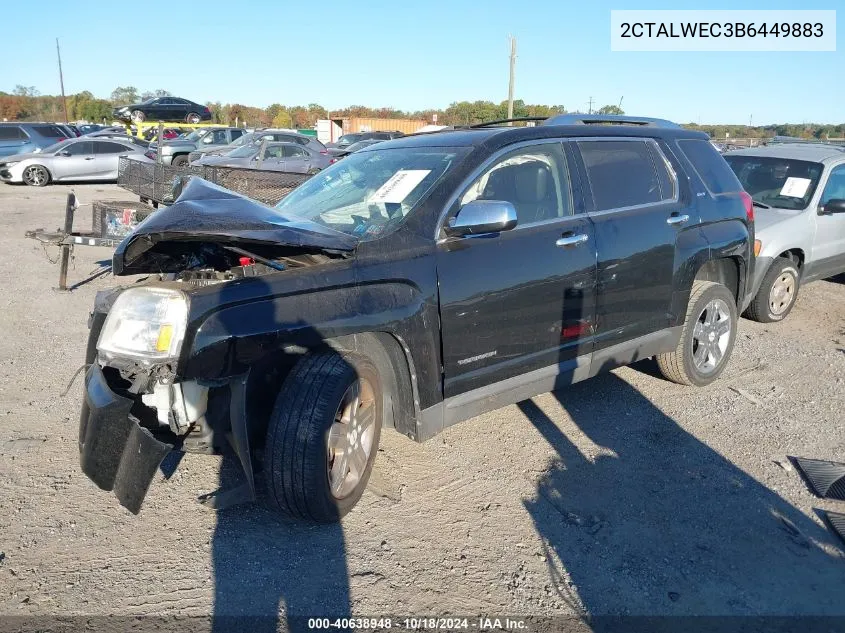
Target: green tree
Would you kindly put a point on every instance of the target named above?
(124, 95)
(611, 109)
(282, 119)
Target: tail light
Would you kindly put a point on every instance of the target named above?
(332, 161)
(151, 155)
(749, 205)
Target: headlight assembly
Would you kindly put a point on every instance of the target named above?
(145, 325)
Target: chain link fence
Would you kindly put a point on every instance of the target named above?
(156, 182)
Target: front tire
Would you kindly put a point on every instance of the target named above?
(36, 176)
(777, 294)
(323, 437)
(707, 337)
(138, 116)
(180, 161)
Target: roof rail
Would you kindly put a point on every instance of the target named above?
(591, 119)
(499, 121)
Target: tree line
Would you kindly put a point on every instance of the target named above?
(25, 103)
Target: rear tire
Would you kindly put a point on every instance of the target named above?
(317, 433)
(777, 294)
(180, 161)
(193, 117)
(36, 176)
(707, 337)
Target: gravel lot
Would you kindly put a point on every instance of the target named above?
(625, 494)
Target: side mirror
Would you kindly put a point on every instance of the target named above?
(834, 205)
(482, 216)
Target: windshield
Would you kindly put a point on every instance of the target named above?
(245, 151)
(368, 193)
(348, 139)
(777, 182)
(196, 135)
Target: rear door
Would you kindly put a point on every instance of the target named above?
(297, 159)
(106, 158)
(13, 140)
(635, 209)
(523, 299)
(79, 163)
(829, 242)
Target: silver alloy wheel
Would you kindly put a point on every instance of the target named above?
(193, 118)
(35, 175)
(350, 438)
(138, 116)
(782, 293)
(711, 335)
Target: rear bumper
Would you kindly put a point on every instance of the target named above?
(115, 452)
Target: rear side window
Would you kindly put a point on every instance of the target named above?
(237, 134)
(105, 147)
(710, 166)
(622, 174)
(50, 131)
(11, 133)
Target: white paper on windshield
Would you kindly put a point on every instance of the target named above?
(399, 185)
(795, 187)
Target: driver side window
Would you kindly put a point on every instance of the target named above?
(534, 179)
(835, 187)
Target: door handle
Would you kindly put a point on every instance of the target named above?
(89, 158)
(677, 219)
(572, 240)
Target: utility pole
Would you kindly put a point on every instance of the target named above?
(512, 40)
(620, 102)
(590, 106)
(61, 79)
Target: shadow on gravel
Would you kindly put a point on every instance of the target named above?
(837, 279)
(264, 565)
(651, 521)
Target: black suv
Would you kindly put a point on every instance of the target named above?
(415, 284)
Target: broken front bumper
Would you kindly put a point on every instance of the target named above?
(114, 450)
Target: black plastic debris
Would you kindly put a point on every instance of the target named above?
(825, 479)
(836, 522)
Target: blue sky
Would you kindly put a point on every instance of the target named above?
(413, 56)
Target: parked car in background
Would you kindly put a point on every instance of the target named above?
(121, 137)
(799, 190)
(163, 109)
(269, 134)
(289, 157)
(87, 128)
(175, 152)
(24, 138)
(410, 286)
(76, 159)
(348, 139)
(337, 153)
(168, 133)
(109, 129)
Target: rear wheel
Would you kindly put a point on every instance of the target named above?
(777, 294)
(323, 436)
(36, 176)
(707, 337)
(193, 117)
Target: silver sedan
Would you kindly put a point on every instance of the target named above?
(77, 159)
(289, 157)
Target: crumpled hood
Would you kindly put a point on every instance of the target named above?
(205, 216)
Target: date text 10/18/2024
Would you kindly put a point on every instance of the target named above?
(419, 624)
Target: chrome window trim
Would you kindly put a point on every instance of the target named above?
(633, 207)
(478, 171)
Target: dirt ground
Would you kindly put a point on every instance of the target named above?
(625, 494)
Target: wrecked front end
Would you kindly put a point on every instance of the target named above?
(210, 249)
